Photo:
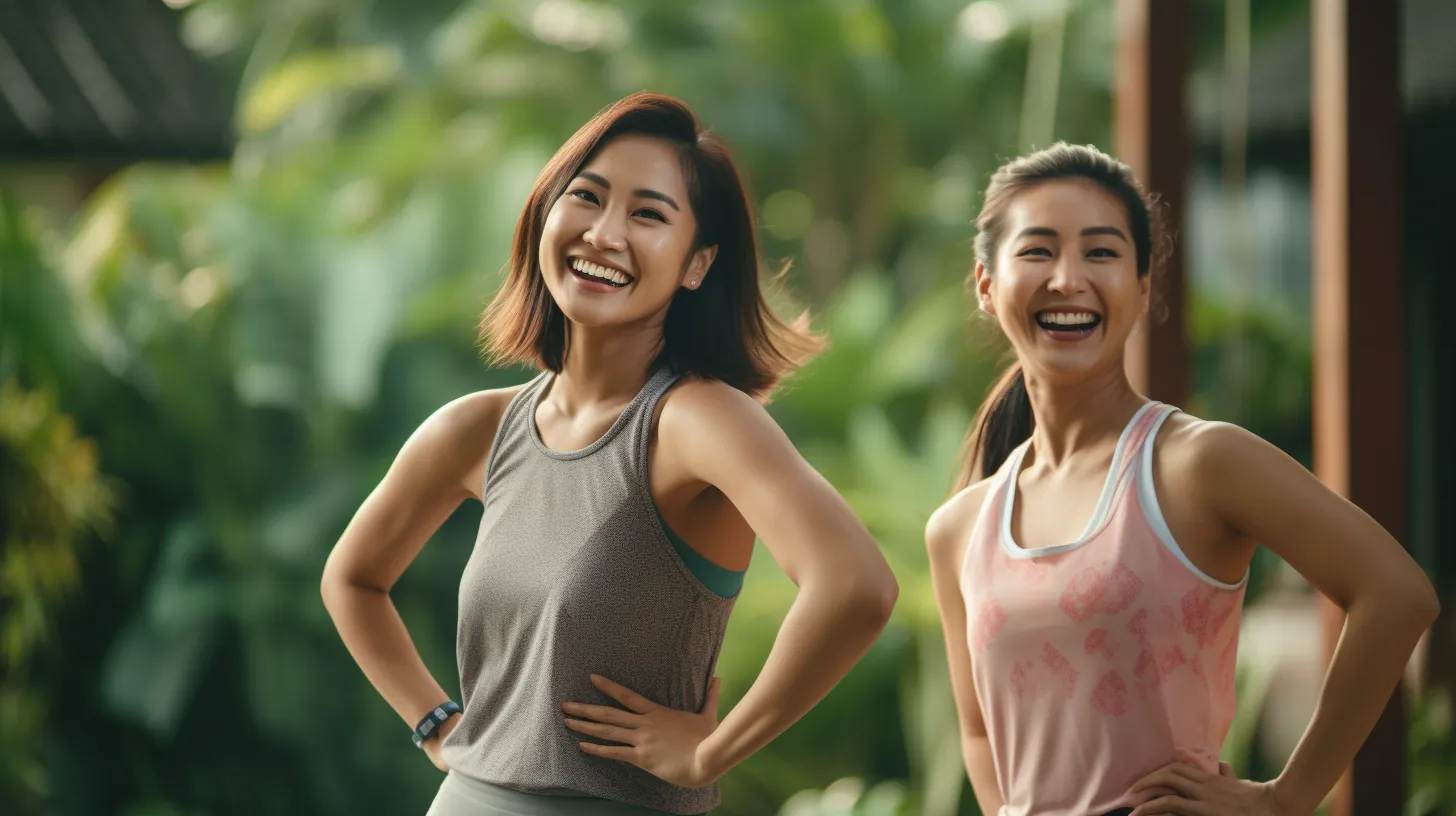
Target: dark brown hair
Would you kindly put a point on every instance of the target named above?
(723, 330)
(1004, 419)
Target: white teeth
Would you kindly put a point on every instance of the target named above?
(598, 271)
(1068, 318)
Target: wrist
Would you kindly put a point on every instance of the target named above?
(709, 761)
(444, 730)
(1288, 800)
(435, 722)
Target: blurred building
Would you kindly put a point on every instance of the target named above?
(87, 86)
(1309, 173)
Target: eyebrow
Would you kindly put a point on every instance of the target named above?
(644, 193)
(1051, 233)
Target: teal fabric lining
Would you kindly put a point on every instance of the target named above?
(721, 580)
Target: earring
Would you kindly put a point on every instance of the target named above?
(693, 283)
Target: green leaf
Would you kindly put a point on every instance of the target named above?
(280, 93)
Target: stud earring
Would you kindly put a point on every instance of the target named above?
(693, 283)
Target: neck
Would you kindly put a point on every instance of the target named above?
(605, 363)
(1071, 416)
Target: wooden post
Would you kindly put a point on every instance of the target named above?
(1152, 136)
(1359, 315)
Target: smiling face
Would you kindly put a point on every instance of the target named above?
(1064, 283)
(621, 240)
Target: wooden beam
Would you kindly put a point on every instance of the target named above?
(1359, 315)
(1151, 135)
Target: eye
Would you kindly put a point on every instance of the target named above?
(1102, 252)
(585, 195)
(1041, 252)
(648, 212)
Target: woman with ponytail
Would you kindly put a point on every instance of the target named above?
(1090, 569)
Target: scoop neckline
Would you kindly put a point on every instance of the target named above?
(1099, 512)
(549, 379)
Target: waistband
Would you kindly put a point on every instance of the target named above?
(462, 795)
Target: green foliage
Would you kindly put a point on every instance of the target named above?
(1432, 740)
(249, 345)
(54, 500)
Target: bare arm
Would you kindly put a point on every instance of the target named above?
(1268, 497)
(945, 538)
(441, 465)
(846, 590)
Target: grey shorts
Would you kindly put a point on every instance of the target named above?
(461, 795)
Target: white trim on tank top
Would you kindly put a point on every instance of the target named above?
(1147, 495)
(1099, 513)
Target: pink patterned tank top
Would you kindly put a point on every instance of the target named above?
(1098, 661)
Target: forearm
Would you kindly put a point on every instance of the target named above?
(375, 636)
(826, 631)
(1368, 662)
(981, 769)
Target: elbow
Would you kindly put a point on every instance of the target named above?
(335, 584)
(888, 594)
(874, 597)
(1415, 596)
(329, 588)
(1410, 599)
(1425, 603)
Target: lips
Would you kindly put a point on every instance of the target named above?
(1068, 320)
(599, 273)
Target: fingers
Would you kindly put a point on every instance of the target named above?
(627, 697)
(603, 714)
(1172, 806)
(1225, 769)
(622, 753)
(1181, 778)
(606, 732)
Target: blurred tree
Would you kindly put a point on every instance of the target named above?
(249, 345)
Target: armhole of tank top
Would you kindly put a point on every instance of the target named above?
(642, 457)
(988, 514)
(512, 408)
(1147, 497)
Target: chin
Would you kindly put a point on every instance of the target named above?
(1068, 368)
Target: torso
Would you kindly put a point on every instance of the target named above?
(573, 574)
(696, 511)
(1165, 627)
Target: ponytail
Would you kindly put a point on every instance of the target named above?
(1003, 422)
(1005, 419)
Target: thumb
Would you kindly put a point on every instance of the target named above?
(1225, 769)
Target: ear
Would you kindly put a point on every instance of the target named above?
(698, 266)
(1145, 293)
(983, 290)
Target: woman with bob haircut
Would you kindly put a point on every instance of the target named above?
(623, 489)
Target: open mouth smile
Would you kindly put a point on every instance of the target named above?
(1068, 325)
(598, 274)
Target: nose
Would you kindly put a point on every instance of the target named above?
(607, 232)
(1068, 276)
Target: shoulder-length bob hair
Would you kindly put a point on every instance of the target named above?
(723, 330)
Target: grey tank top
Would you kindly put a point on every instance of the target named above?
(572, 575)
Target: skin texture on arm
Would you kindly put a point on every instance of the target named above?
(726, 440)
(846, 590)
(1266, 496)
(441, 465)
(946, 537)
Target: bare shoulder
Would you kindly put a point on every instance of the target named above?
(453, 444)
(950, 525)
(472, 418)
(1197, 453)
(702, 410)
